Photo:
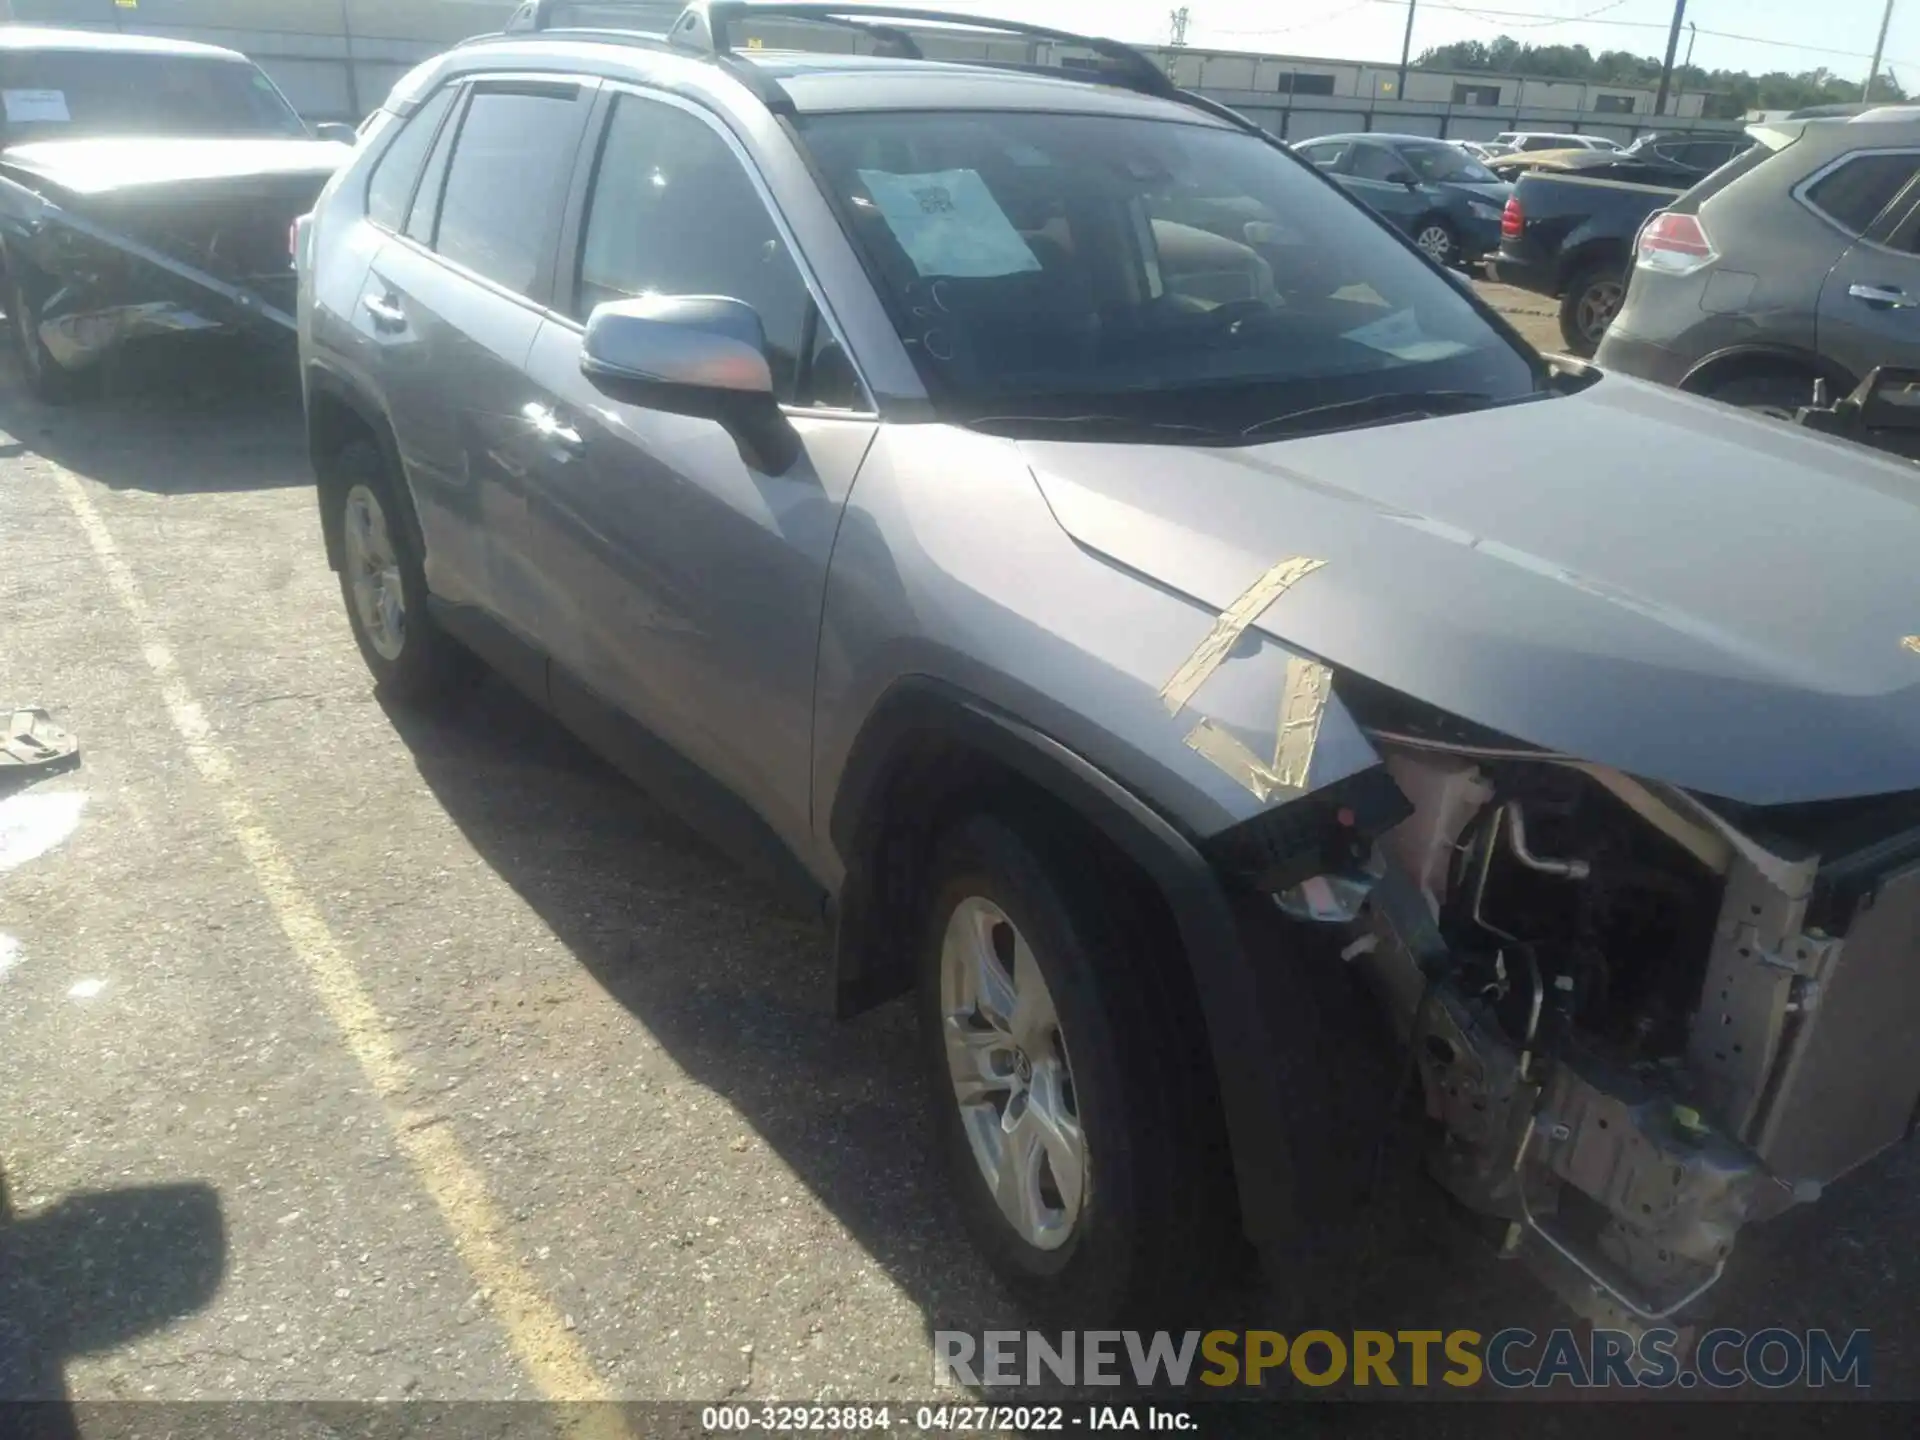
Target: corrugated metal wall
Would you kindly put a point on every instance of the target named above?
(336, 59)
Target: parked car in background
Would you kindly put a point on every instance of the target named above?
(146, 188)
(1568, 233)
(1054, 531)
(1698, 155)
(1482, 150)
(1798, 262)
(1445, 199)
(1516, 140)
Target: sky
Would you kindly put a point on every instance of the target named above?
(1791, 35)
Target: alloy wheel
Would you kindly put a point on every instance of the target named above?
(373, 573)
(1435, 240)
(1598, 305)
(1012, 1080)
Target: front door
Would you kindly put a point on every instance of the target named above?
(1377, 175)
(1870, 301)
(691, 580)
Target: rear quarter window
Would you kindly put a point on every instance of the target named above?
(397, 171)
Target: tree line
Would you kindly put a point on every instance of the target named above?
(1731, 93)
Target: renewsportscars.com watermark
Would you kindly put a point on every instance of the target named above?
(1774, 1358)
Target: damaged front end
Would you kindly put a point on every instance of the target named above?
(95, 271)
(1639, 1020)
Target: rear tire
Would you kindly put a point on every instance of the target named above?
(1778, 393)
(1593, 297)
(1100, 1107)
(384, 585)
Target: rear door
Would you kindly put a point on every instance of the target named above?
(455, 302)
(1869, 307)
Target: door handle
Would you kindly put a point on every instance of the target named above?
(548, 425)
(386, 312)
(1885, 297)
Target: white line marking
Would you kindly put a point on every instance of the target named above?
(553, 1359)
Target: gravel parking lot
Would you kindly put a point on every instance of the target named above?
(346, 1054)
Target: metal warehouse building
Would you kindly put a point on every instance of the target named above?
(337, 58)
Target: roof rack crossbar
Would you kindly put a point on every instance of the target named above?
(706, 27)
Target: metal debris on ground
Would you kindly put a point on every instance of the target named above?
(32, 747)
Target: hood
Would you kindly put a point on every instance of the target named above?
(96, 166)
(1629, 575)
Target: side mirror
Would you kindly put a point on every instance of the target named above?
(1406, 178)
(699, 342)
(338, 131)
(701, 355)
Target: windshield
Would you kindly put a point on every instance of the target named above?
(1192, 275)
(1437, 163)
(62, 94)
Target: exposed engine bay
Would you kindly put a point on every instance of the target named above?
(1638, 1021)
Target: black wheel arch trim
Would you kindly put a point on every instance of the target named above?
(1252, 1088)
(324, 379)
(1731, 356)
(1579, 256)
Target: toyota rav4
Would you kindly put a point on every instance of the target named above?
(1164, 623)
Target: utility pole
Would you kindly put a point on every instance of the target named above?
(1673, 44)
(1406, 49)
(1179, 19)
(1879, 48)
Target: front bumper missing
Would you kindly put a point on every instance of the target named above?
(1625, 1186)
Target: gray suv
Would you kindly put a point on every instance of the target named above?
(1162, 623)
(1799, 261)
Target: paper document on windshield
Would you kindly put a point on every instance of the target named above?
(949, 223)
(1400, 336)
(27, 106)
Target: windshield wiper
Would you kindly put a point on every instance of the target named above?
(1127, 423)
(1374, 409)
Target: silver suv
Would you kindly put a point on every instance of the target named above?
(1164, 624)
(1797, 262)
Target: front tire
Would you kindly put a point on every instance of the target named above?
(49, 380)
(384, 585)
(1593, 297)
(1437, 241)
(1073, 1100)
(1779, 393)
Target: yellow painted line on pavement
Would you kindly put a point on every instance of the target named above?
(552, 1357)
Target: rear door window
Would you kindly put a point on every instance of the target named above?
(1853, 193)
(1328, 154)
(507, 182)
(390, 192)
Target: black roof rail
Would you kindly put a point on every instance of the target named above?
(705, 27)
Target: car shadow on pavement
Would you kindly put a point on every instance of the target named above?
(92, 1272)
(735, 987)
(151, 397)
(739, 992)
